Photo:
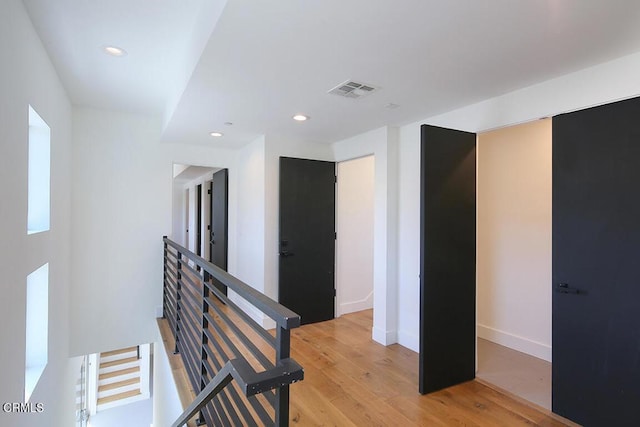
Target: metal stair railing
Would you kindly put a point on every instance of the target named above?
(220, 340)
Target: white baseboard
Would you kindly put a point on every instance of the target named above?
(521, 344)
(353, 306)
(409, 340)
(263, 320)
(268, 323)
(384, 337)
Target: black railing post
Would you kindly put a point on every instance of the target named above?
(164, 276)
(178, 286)
(283, 350)
(204, 339)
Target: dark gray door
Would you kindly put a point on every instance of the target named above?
(596, 265)
(307, 238)
(447, 258)
(219, 222)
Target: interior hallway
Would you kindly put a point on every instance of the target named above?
(352, 381)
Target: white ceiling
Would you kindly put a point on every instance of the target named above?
(255, 63)
(188, 173)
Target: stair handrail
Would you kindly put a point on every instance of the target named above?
(283, 317)
(183, 272)
(251, 382)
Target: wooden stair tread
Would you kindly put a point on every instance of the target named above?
(120, 351)
(118, 384)
(118, 362)
(118, 373)
(118, 396)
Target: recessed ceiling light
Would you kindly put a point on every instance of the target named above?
(216, 134)
(114, 51)
(300, 117)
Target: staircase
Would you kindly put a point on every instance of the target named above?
(119, 378)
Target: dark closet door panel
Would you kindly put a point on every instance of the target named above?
(596, 265)
(448, 258)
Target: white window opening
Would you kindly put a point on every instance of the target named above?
(39, 174)
(37, 330)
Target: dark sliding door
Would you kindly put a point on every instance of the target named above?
(596, 267)
(447, 258)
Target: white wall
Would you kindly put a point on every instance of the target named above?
(247, 187)
(409, 237)
(178, 221)
(121, 209)
(514, 237)
(383, 144)
(167, 406)
(27, 77)
(354, 224)
(250, 177)
(134, 414)
(122, 191)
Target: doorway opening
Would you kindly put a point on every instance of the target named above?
(514, 260)
(190, 212)
(354, 243)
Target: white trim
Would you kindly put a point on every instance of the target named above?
(409, 340)
(521, 344)
(145, 369)
(92, 384)
(353, 306)
(384, 337)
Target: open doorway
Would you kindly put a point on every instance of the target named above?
(354, 243)
(514, 260)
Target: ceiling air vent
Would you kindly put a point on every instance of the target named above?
(353, 90)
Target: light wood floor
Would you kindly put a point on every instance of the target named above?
(521, 374)
(352, 381)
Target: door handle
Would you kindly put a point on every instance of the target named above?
(564, 288)
(285, 254)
